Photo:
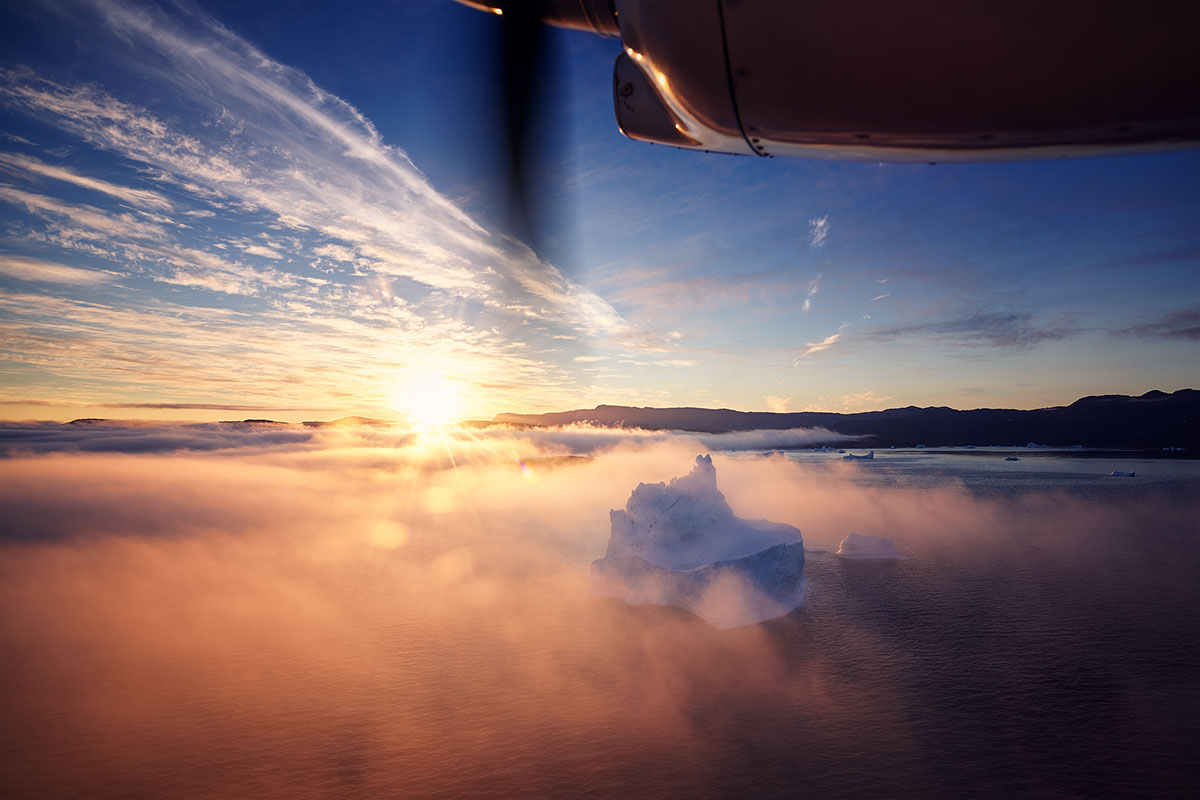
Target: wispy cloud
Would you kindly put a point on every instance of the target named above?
(684, 291)
(881, 296)
(260, 250)
(189, 354)
(826, 343)
(98, 223)
(138, 197)
(349, 257)
(1179, 325)
(33, 269)
(814, 286)
(1003, 330)
(818, 230)
(812, 348)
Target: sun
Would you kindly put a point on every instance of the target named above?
(429, 400)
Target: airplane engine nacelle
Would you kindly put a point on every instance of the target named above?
(910, 79)
(593, 16)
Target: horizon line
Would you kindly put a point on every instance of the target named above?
(466, 419)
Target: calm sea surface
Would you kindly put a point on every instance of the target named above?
(1045, 643)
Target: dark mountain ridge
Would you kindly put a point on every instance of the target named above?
(1153, 420)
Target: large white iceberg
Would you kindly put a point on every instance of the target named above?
(873, 548)
(679, 544)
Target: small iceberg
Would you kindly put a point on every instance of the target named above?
(1011, 458)
(679, 544)
(851, 456)
(1116, 473)
(861, 547)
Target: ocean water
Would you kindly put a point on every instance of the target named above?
(1041, 638)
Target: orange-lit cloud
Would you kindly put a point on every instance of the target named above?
(360, 615)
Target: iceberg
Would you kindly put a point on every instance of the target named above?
(1116, 473)
(853, 457)
(680, 544)
(863, 547)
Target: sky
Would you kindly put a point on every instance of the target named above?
(294, 210)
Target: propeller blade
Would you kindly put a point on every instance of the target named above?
(524, 51)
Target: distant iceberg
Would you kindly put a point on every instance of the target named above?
(1118, 474)
(859, 458)
(873, 548)
(679, 544)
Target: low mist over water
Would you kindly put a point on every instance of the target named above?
(373, 612)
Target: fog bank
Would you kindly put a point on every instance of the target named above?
(361, 611)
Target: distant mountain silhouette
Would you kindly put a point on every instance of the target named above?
(1153, 420)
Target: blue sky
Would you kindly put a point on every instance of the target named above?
(293, 210)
